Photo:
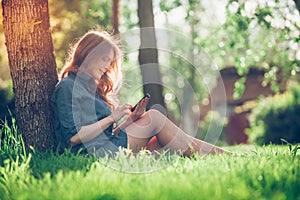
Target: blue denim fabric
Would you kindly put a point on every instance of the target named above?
(75, 103)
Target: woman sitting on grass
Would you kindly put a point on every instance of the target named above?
(85, 116)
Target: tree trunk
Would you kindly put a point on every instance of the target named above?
(148, 56)
(33, 68)
(115, 17)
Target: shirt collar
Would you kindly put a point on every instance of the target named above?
(85, 80)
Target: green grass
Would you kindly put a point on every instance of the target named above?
(269, 172)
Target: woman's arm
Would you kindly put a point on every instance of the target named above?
(89, 132)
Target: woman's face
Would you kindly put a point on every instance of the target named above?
(98, 65)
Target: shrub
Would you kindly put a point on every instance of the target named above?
(276, 118)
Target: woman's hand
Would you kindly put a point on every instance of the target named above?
(120, 112)
(139, 110)
(136, 114)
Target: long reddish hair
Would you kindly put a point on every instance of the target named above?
(109, 83)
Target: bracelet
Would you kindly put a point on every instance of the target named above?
(114, 121)
(114, 127)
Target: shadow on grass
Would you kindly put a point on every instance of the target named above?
(52, 162)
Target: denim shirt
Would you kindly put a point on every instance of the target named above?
(75, 103)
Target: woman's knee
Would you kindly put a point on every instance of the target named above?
(155, 113)
(157, 118)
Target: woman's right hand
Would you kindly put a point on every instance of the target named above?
(120, 112)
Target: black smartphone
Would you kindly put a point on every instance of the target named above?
(146, 96)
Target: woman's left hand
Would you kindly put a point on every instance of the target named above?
(139, 110)
(133, 116)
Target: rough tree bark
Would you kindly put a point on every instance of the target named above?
(148, 56)
(33, 68)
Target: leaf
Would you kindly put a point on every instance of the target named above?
(239, 88)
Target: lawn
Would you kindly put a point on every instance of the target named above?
(269, 172)
(254, 172)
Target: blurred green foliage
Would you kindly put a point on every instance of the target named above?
(70, 19)
(276, 118)
(262, 34)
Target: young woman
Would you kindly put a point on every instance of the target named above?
(85, 116)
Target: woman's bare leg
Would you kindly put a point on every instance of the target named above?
(168, 135)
